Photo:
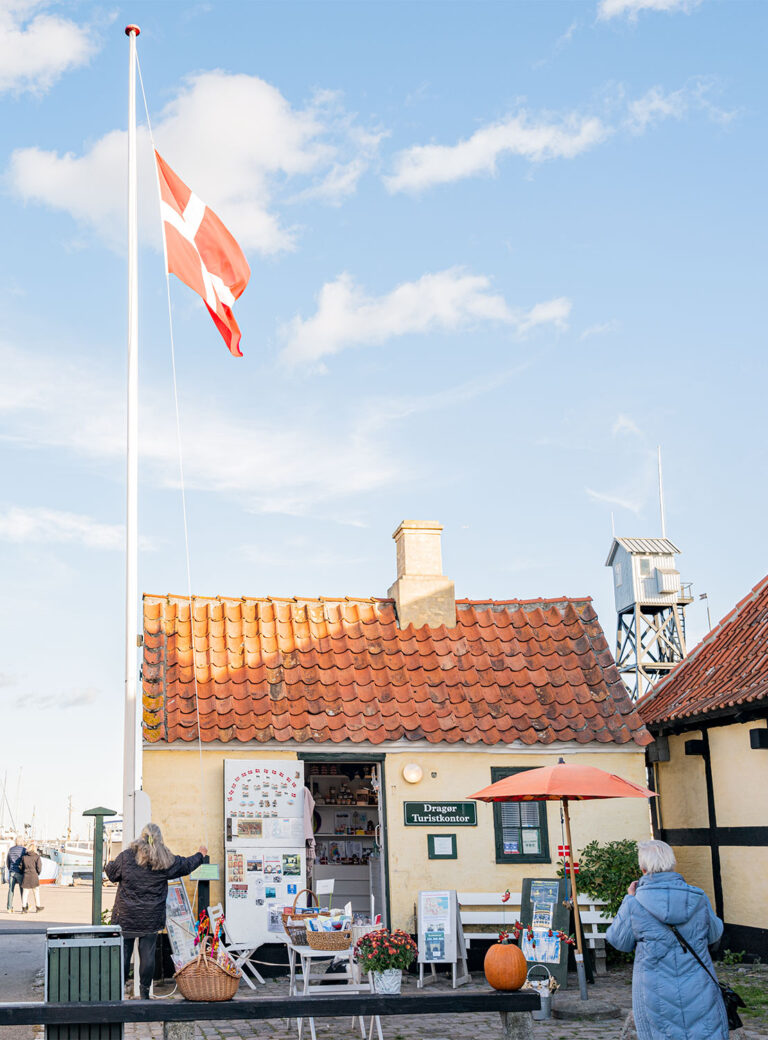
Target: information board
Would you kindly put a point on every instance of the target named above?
(180, 923)
(542, 907)
(441, 936)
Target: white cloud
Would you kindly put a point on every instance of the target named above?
(625, 499)
(243, 169)
(39, 524)
(269, 464)
(536, 140)
(637, 489)
(599, 329)
(75, 698)
(624, 424)
(541, 138)
(631, 8)
(446, 301)
(38, 48)
(658, 104)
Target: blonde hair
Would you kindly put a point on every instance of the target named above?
(150, 850)
(31, 846)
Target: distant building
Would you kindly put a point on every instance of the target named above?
(650, 604)
(403, 705)
(710, 767)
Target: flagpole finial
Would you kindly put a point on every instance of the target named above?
(132, 30)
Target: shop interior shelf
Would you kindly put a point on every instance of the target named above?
(346, 805)
(330, 834)
(331, 776)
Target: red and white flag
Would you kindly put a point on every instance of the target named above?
(202, 253)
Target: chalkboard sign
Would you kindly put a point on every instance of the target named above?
(441, 936)
(542, 908)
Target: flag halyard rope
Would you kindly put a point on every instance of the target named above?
(181, 477)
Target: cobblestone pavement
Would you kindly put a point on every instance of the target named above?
(614, 989)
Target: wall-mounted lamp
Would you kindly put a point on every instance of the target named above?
(412, 773)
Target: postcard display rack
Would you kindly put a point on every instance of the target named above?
(264, 846)
(347, 833)
(441, 936)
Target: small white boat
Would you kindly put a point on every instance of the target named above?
(50, 871)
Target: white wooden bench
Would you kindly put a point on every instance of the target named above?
(483, 916)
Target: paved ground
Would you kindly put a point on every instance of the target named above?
(21, 978)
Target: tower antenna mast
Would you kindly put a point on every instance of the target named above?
(661, 496)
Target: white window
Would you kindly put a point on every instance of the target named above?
(645, 567)
(618, 577)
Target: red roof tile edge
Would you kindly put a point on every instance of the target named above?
(644, 706)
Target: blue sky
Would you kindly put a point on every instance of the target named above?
(499, 252)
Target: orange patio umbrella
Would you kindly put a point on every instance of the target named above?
(563, 783)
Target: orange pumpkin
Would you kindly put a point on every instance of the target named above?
(505, 966)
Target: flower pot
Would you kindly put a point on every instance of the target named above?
(505, 966)
(388, 981)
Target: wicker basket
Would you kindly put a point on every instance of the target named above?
(296, 930)
(330, 940)
(205, 979)
(292, 919)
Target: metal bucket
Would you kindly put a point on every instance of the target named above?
(541, 986)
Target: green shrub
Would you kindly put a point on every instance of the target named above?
(606, 871)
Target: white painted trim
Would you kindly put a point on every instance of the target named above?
(405, 747)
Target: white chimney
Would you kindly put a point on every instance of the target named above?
(422, 594)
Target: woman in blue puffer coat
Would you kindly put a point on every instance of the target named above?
(672, 996)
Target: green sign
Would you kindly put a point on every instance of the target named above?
(205, 872)
(440, 814)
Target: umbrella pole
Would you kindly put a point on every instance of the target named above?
(575, 896)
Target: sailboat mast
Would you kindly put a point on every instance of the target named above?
(132, 457)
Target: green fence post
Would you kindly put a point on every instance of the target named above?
(98, 857)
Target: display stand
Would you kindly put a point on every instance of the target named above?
(441, 937)
(542, 908)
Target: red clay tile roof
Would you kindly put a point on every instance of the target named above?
(728, 668)
(331, 670)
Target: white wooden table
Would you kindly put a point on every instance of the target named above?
(303, 982)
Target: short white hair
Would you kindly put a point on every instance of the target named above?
(655, 857)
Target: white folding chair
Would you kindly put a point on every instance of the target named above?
(239, 952)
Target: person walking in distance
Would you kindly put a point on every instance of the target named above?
(13, 863)
(142, 872)
(32, 865)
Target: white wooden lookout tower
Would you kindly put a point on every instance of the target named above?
(650, 603)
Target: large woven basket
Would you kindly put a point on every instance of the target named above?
(330, 940)
(204, 979)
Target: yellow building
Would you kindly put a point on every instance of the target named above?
(710, 764)
(392, 712)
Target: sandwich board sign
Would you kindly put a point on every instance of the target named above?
(441, 936)
(542, 908)
(180, 924)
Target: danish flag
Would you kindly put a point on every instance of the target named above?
(202, 253)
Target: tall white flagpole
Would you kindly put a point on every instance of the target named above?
(132, 455)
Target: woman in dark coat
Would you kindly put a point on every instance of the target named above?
(31, 866)
(142, 872)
